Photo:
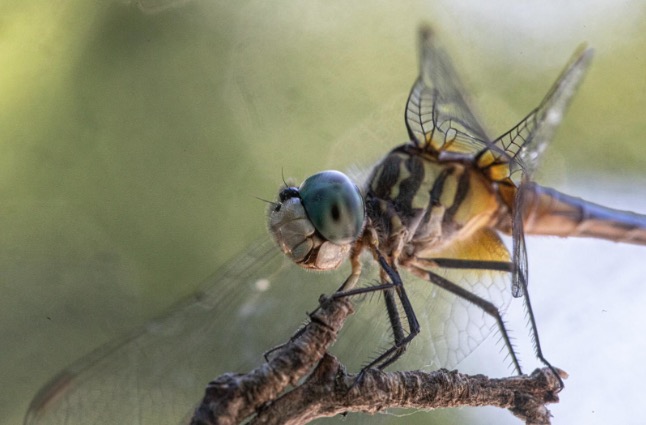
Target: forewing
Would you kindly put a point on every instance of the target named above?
(438, 117)
(157, 374)
(526, 141)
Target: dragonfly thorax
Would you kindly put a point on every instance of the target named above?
(425, 204)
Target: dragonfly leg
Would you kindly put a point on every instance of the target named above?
(520, 274)
(355, 263)
(401, 339)
(457, 290)
(537, 343)
(393, 316)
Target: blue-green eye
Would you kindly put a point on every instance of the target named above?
(334, 206)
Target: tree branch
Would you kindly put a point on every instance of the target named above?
(320, 386)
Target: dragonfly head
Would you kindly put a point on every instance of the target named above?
(315, 224)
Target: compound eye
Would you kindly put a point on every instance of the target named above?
(334, 205)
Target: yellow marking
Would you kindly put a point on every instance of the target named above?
(483, 244)
(395, 224)
(499, 172)
(495, 172)
(434, 227)
(478, 206)
(447, 197)
(403, 174)
(435, 142)
(423, 195)
(486, 159)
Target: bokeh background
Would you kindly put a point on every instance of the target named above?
(135, 137)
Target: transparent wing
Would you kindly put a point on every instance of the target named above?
(524, 144)
(457, 326)
(451, 327)
(438, 117)
(159, 373)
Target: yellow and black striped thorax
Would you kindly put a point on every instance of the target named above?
(432, 201)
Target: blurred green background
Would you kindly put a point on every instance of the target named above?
(133, 143)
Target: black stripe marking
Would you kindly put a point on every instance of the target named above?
(436, 193)
(409, 187)
(461, 193)
(388, 176)
(438, 187)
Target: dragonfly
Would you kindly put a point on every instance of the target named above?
(423, 230)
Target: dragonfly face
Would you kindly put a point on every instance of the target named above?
(316, 224)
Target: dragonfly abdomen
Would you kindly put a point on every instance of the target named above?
(550, 212)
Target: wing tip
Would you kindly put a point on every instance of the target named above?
(47, 396)
(425, 31)
(580, 60)
(426, 35)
